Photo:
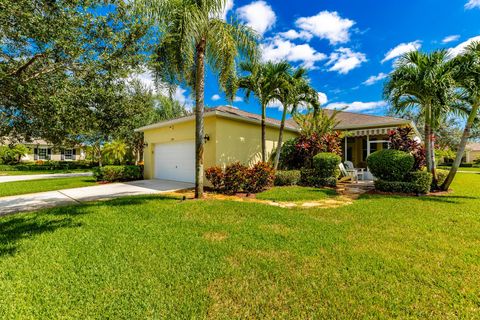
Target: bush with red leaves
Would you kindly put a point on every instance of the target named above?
(401, 139)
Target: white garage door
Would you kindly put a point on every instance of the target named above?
(175, 161)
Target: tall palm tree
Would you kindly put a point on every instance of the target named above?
(293, 91)
(262, 80)
(467, 75)
(424, 81)
(193, 34)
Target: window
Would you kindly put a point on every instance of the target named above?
(68, 154)
(42, 154)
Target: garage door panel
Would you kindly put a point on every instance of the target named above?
(175, 161)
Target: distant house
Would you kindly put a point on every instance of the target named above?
(42, 150)
(234, 135)
(472, 152)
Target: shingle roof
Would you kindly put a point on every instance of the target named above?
(473, 146)
(347, 120)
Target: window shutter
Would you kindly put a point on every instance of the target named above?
(74, 151)
(49, 153)
(62, 154)
(35, 153)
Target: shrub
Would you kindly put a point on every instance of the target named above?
(118, 173)
(401, 139)
(310, 178)
(326, 165)
(216, 177)
(12, 154)
(287, 178)
(418, 182)
(259, 177)
(390, 165)
(235, 178)
(441, 176)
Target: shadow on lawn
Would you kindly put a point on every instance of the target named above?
(15, 227)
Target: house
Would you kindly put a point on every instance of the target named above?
(235, 135)
(42, 150)
(472, 152)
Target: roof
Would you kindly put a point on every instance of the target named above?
(347, 120)
(473, 146)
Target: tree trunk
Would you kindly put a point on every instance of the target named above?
(429, 146)
(264, 133)
(280, 138)
(199, 106)
(461, 148)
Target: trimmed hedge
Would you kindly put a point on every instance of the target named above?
(390, 165)
(259, 178)
(118, 173)
(287, 178)
(441, 176)
(310, 178)
(235, 178)
(326, 164)
(50, 165)
(418, 182)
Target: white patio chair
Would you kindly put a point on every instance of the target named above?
(347, 174)
(358, 172)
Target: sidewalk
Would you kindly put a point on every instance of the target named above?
(35, 201)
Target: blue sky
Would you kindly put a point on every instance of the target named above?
(349, 46)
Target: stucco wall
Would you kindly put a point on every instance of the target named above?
(471, 156)
(178, 132)
(241, 141)
(230, 141)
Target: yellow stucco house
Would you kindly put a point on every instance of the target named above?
(234, 135)
(472, 152)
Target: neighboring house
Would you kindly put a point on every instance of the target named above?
(235, 135)
(42, 150)
(472, 152)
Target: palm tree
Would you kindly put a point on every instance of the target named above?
(293, 91)
(467, 75)
(423, 81)
(192, 34)
(262, 79)
(115, 151)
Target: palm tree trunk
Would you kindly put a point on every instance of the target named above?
(280, 138)
(199, 106)
(429, 145)
(264, 133)
(461, 147)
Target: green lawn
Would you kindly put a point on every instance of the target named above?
(41, 185)
(33, 172)
(295, 193)
(462, 169)
(156, 257)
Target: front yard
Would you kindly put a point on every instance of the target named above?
(42, 185)
(161, 257)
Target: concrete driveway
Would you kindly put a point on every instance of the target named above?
(43, 176)
(35, 201)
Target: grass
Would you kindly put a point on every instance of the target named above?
(41, 185)
(34, 172)
(295, 193)
(474, 169)
(158, 257)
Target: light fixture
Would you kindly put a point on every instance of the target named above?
(206, 138)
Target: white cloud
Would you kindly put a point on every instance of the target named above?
(451, 38)
(358, 106)
(322, 98)
(327, 25)
(180, 93)
(238, 99)
(374, 79)
(216, 97)
(471, 4)
(258, 15)
(277, 49)
(401, 49)
(227, 8)
(343, 60)
(459, 49)
(293, 34)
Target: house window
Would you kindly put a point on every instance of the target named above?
(42, 153)
(68, 154)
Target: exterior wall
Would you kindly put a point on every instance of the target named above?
(229, 141)
(242, 141)
(471, 156)
(178, 132)
(55, 153)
